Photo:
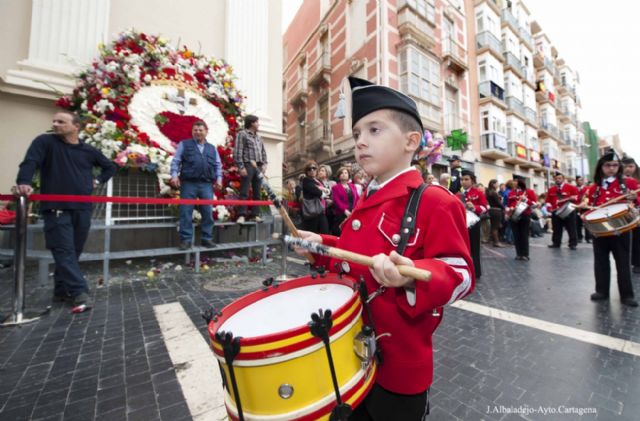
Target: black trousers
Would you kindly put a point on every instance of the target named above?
(382, 405)
(569, 223)
(579, 228)
(65, 233)
(250, 180)
(635, 247)
(619, 246)
(521, 235)
(474, 238)
(319, 224)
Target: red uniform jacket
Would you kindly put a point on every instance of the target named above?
(516, 195)
(440, 245)
(566, 190)
(582, 191)
(613, 190)
(476, 197)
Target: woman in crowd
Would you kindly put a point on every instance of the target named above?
(345, 196)
(291, 202)
(312, 188)
(324, 176)
(496, 212)
(630, 169)
(359, 179)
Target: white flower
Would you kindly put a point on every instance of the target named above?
(147, 78)
(102, 106)
(83, 106)
(112, 66)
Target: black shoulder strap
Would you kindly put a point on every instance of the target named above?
(408, 225)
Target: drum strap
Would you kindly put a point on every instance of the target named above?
(409, 218)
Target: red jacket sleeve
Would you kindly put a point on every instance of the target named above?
(482, 206)
(532, 199)
(573, 191)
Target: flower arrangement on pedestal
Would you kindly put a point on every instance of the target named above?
(140, 98)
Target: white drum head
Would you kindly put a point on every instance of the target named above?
(286, 310)
(606, 212)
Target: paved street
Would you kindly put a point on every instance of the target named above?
(113, 362)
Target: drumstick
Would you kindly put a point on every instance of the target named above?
(616, 199)
(283, 212)
(409, 271)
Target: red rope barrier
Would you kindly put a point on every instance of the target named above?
(135, 200)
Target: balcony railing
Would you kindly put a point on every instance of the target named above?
(518, 150)
(513, 61)
(550, 65)
(409, 22)
(493, 141)
(490, 89)
(299, 92)
(317, 134)
(452, 122)
(550, 128)
(456, 53)
(515, 104)
(510, 19)
(487, 39)
(320, 70)
(530, 114)
(529, 76)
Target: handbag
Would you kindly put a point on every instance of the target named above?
(311, 208)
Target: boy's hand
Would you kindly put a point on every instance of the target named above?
(384, 270)
(309, 236)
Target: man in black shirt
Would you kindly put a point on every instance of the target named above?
(456, 174)
(66, 167)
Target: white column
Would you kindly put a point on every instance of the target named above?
(247, 50)
(64, 37)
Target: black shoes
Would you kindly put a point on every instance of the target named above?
(554, 246)
(596, 296)
(573, 247)
(208, 244)
(636, 269)
(184, 245)
(629, 302)
(82, 299)
(62, 298)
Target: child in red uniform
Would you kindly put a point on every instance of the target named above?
(559, 194)
(387, 131)
(520, 225)
(475, 201)
(608, 183)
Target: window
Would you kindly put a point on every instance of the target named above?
(424, 8)
(479, 22)
(356, 29)
(422, 76)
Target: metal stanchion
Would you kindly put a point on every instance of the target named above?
(285, 248)
(18, 316)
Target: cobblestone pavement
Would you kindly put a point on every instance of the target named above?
(112, 363)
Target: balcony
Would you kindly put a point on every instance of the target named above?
(567, 142)
(562, 114)
(513, 63)
(548, 63)
(546, 97)
(546, 129)
(455, 55)
(452, 122)
(515, 105)
(531, 116)
(538, 60)
(486, 41)
(295, 149)
(320, 70)
(414, 28)
(509, 19)
(493, 146)
(492, 92)
(299, 93)
(526, 38)
(535, 159)
(529, 77)
(518, 154)
(318, 135)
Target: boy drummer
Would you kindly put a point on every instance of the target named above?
(387, 131)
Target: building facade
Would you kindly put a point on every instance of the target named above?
(45, 41)
(483, 67)
(416, 46)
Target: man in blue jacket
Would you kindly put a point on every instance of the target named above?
(195, 167)
(66, 167)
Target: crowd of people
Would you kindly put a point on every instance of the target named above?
(506, 214)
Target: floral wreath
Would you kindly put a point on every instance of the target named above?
(140, 98)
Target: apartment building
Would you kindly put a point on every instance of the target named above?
(416, 46)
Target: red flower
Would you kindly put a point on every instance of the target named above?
(63, 102)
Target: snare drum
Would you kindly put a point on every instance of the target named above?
(282, 370)
(611, 220)
(518, 210)
(565, 210)
(472, 218)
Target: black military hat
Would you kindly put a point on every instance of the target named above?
(557, 173)
(609, 155)
(454, 158)
(367, 97)
(470, 174)
(628, 160)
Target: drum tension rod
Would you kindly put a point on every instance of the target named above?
(364, 297)
(320, 325)
(231, 348)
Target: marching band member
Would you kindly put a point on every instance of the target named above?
(630, 169)
(475, 201)
(387, 132)
(559, 194)
(609, 183)
(521, 194)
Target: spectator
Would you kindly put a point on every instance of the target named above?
(291, 202)
(444, 180)
(359, 180)
(66, 167)
(251, 158)
(430, 179)
(324, 175)
(345, 197)
(456, 174)
(313, 188)
(196, 165)
(485, 223)
(496, 212)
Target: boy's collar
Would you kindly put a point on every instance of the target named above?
(374, 185)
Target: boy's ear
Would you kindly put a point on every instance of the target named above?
(413, 141)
